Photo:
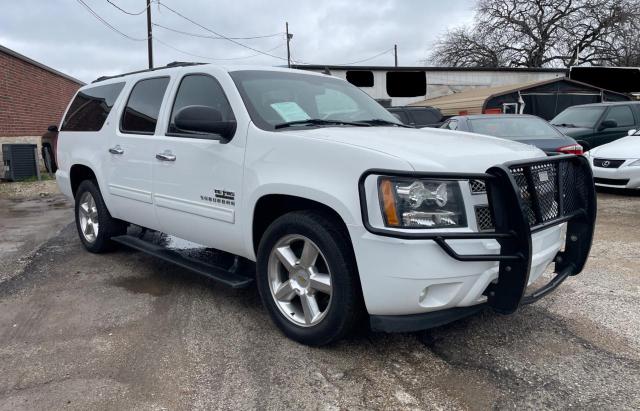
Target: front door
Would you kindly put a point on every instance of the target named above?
(197, 180)
(131, 154)
(623, 116)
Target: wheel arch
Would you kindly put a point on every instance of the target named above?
(269, 207)
(79, 173)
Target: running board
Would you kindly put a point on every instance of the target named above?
(231, 277)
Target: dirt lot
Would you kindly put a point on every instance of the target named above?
(125, 331)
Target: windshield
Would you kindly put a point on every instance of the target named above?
(514, 128)
(578, 117)
(274, 98)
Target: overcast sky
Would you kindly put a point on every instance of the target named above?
(64, 35)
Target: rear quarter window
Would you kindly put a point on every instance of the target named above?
(91, 107)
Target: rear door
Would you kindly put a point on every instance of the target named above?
(197, 180)
(625, 120)
(131, 153)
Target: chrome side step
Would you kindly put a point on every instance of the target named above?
(232, 276)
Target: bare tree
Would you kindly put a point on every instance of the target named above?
(542, 33)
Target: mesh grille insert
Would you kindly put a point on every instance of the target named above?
(484, 218)
(477, 186)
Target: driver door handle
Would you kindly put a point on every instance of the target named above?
(116, 150)
(166, 156)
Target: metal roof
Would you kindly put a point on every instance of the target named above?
(425, 68)
(39, 65)
(473, 100)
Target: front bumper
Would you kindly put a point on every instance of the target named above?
(419, 274)
(621, 177)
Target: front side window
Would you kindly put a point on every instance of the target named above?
(622, 115)
(276, 97)
(199, 90)
(141, 112)
(90, 108)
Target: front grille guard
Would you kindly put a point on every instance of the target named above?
(524, 197)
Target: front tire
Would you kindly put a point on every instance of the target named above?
(93, 221)
(307, 278)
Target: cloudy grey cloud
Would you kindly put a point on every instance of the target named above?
(65, 36)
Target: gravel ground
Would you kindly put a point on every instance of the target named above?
(125, 331)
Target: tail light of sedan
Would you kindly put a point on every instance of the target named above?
(571, 149)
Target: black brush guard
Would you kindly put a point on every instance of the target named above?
(524, 197)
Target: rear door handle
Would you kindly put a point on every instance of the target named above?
(166, 156)
(116, 150)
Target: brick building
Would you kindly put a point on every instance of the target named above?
(32, 95)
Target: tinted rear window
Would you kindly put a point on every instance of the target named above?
(400, 115)
(141, 113)
(514, 128)
(90, 108)
(425, 116)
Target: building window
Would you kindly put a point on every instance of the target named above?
(360, 78)
(406, 83)
(90, 108)
(141, 113)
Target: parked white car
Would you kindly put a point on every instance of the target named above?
(347, 213)
(617, 164)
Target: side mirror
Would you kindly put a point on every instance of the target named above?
(608, 124)
(52, 128)
(632, 132)
(205, 120)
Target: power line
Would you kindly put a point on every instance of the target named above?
(296, 61)
(207, 36)
(367, 59)
(128, 12)
(221, 35)
(212, 58)
(106, 23)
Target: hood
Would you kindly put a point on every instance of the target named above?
(575, 131)
(431, 149)
(623, 148)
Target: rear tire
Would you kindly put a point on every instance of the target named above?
(93, 221)
(307, 278)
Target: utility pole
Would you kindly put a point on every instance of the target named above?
(289, 37)
(395, 54)
(149, 42)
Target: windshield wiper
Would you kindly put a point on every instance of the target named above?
(320, 122)
(381, 122)
(568, 125)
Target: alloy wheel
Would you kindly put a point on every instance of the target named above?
(300, 280)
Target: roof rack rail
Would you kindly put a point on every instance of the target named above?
(170, 65)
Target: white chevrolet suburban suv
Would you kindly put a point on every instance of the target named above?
(348, 215)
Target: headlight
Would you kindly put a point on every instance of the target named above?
(421, 203)
(635, 164)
